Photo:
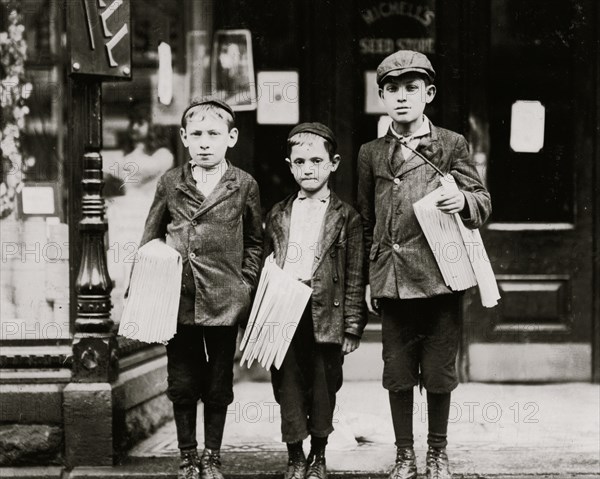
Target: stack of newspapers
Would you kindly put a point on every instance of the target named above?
(459, 251)
(278, 306)
(150, 313)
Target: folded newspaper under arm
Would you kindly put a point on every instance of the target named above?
(459, 251)
(150, 313)
(277, 309)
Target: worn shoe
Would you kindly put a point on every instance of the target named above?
(188, 467)
(438, 466)
(406, 466)
(296, 468)
(210, 465)
(316, 466)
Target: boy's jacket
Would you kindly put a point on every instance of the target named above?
(399, 260)
(219, 239)
(338, 305)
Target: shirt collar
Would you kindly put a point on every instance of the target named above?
(301, 197)
(423, 130)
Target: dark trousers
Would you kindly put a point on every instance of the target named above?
(200, 366)
(306, 384)
(420, 343)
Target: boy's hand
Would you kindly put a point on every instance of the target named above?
(351, 343)
(372, 305)
(451, 202)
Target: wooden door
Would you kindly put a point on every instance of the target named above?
(530, 68)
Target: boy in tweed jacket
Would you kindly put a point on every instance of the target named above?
(420, 314)
(317, 238)
(209, 211)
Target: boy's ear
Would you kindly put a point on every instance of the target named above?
(289, 162)
(430, 92)
(335, 162)
(233, 137)
(183, 135)
(380, 90)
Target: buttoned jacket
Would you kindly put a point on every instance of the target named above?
(219, 238)
(399, 260)
(337, 282)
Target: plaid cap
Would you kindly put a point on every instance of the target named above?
(316, 129)
(404, 61)
(208, 101)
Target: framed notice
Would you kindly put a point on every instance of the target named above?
(278, 98)
(373, 104)
(39, 199)
(232, 69)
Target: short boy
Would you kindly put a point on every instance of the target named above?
(209, 211)
(317, 238)
(420, 314)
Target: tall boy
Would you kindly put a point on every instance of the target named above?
(420, 314)
(209, 211)
(317, 238)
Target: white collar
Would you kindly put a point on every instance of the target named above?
(423, 130)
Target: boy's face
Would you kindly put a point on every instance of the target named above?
(311, 166)
(405, 97)
(207, 138)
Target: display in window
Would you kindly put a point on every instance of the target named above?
(232, 72)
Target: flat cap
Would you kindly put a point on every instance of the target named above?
(316, 129)
(404, 61)
(208, 101)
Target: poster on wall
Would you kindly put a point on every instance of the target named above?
(232, 69)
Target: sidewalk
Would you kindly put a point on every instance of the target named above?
(495, 430)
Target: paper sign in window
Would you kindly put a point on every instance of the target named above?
(38, 200)
(278, 97)
(527, 124)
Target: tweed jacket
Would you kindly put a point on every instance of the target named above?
(400, 263)
(219, 238)
(338, 304)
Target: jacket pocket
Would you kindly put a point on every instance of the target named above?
(374, 251)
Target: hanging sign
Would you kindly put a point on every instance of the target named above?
(100, 38)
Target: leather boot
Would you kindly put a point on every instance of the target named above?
(188, 467)
(406, 466)
(210, 464)
(438, 466)
(296, 468)
(316, 465)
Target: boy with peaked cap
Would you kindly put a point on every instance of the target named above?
(209, 211)
(420, 314)
(317, 238)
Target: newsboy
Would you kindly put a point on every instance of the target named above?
(209, 211)
(420, 314)
(317, 238)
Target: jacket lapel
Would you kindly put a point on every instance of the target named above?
(226, 187)
(429, 147)
(330, 229)
(187, 185)
(280, 224)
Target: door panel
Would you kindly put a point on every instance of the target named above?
(539, 239)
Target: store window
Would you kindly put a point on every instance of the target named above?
(140, 131)
(533, 92)
(34, 267)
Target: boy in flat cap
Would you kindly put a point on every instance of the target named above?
(209, 211)
(419, 313)
(317, 238)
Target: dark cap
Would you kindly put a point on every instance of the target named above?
(208, 101)
(404, 61)
(316, 129)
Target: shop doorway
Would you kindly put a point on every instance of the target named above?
(530, 71)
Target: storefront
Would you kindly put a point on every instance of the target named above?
(518, 78)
